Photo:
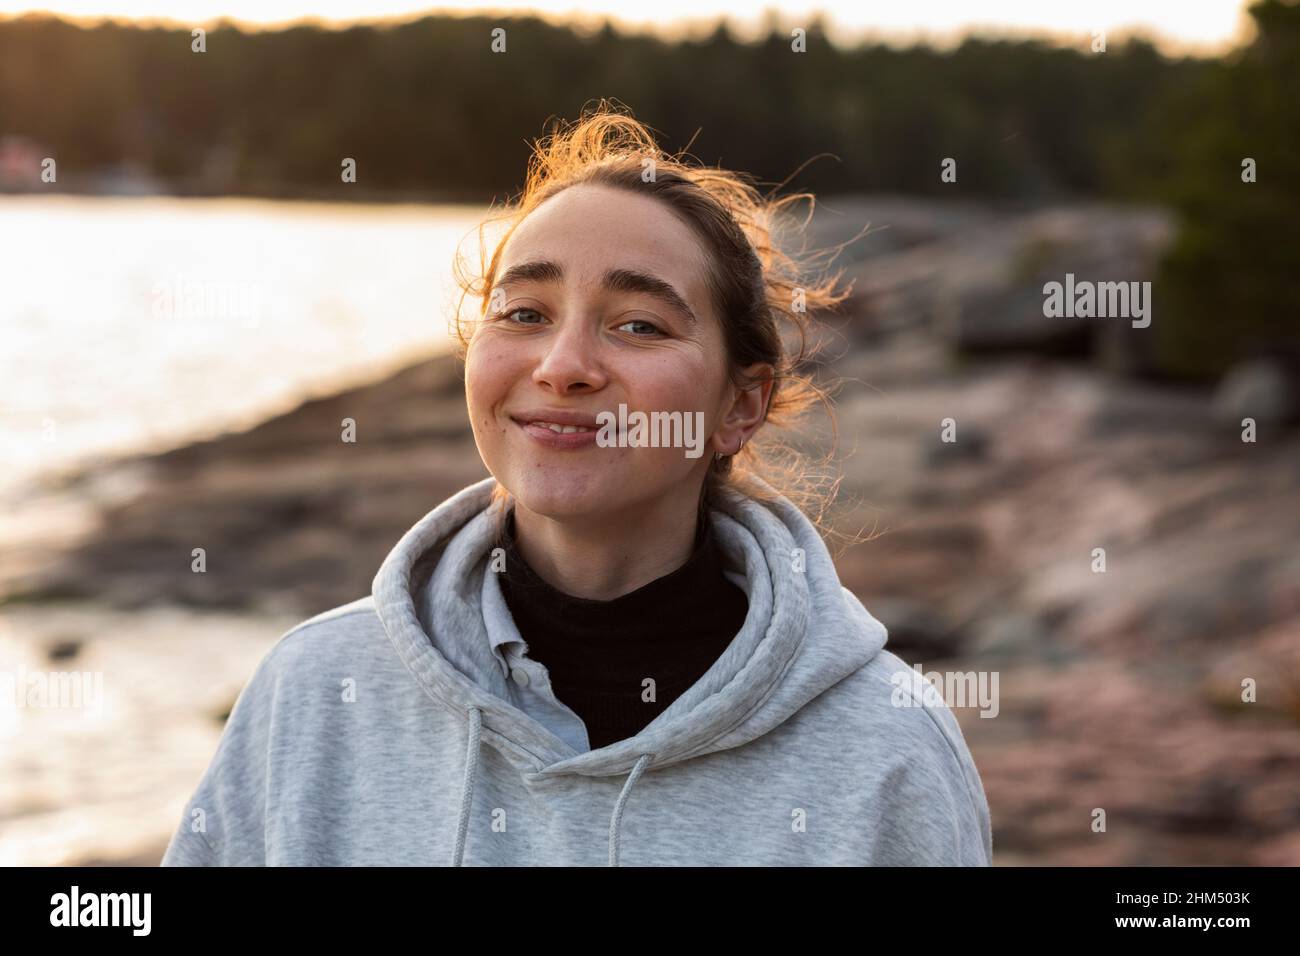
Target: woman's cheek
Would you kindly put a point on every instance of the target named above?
(484, 379)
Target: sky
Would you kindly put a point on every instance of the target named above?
(1193, 26)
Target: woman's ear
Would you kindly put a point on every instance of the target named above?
(748, 409)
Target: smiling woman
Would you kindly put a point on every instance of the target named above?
(644, 271)
(605, 629)
(575, 344)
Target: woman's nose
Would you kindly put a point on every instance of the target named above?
(570, 359)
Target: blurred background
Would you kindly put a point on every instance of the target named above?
(192, 299)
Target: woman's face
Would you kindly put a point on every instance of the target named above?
(599, 301)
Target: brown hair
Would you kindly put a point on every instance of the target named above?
(757, 290)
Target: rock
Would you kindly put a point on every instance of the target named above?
(1264, 389)
(1272, 663)
(993, 298)
(972, 444)
(63, 650)
(917, 633)
(1016, 634)
(288, 515)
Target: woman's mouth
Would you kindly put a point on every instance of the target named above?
(556, 435)
(563, 429)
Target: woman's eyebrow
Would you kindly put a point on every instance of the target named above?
(614, 280)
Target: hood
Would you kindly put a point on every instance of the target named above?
(804, 632)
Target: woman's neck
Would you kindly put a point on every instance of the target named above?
(602, 557)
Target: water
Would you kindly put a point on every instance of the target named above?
(136, 324)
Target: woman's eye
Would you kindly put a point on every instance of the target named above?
(649, 327)
(510, 316)
(527, 316)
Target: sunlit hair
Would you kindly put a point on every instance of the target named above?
(759, 292)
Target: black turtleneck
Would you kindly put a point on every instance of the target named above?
(598, 653)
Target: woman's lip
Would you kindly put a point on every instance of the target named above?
(553, 439)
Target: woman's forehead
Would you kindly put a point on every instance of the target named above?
(588, 230)
(584, 243)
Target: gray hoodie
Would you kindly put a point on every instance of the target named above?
(383, 732)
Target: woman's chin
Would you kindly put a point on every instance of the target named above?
(557, 496)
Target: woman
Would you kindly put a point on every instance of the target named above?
(626, 646)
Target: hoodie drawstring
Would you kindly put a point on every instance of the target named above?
(617, 818)
(467, 788)
(471, 771)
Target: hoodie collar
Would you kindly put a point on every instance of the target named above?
(646, 603)
(765, 675)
